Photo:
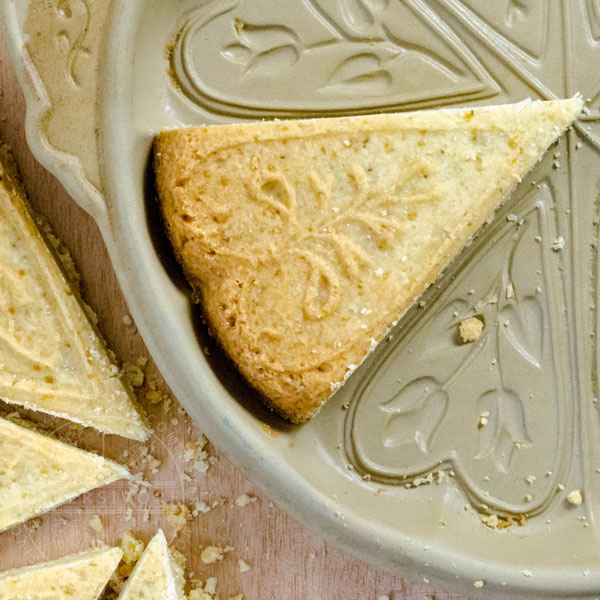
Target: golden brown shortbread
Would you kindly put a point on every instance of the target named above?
(306, 241)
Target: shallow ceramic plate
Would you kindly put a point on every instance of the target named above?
(399, 467)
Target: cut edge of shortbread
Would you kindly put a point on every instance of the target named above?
(39, 473)
(80, 576)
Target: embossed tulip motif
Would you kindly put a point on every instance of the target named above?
(416, 411)
(437, 385)
(353, 51)
(263, 50)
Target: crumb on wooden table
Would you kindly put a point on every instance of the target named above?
(132, 548)
(244, 500)
(244, 566)
(211, 554)
(196, 452)
(178, 515)
(95, 524)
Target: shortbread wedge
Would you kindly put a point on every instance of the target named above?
(156, 575)
(306, 241)
(78, 577)
(38, 473)
(52, 359)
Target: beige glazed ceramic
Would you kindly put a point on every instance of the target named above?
(453, 462)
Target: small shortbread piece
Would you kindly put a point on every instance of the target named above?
(156, 575)
(78, 577)
(38, 473)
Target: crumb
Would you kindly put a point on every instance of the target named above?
(212, 554)
(267, 429)
(559, 243)
(127, 321)
(195, 451)
(443, 522)
(132, 551)
(96, 524)
(244, 566)
(484, 418)
(479, 583)
(244, 500)
(200, 507)
(66, 260)
(154, 394)
(418, 481)
(470, 329)
(179, 558)
(34, 524)
(132, 374)
(530, 479)
(510, 291)
(575, 497)
(491, 521)
(199, 594)
(528, 498)
(177, 516)
(527, 573)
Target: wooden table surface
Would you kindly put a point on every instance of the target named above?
(289, 562)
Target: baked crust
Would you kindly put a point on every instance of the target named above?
(306, 241)
(53, 359)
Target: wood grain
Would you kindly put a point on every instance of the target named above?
(288, 561)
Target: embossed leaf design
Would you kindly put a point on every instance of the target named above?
(517, 9)
(416, 412)
(260, 38)
(363, 71)
(322, 295)
(357, 15)
(64, 8)
(237, 53)
(523, 326)
(506, 426)
(275, 59)
(377, 6)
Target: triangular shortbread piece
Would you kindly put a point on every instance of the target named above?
(52, 359)
(78, 577)
(38, 473)
(156, 575)
(307, 240)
